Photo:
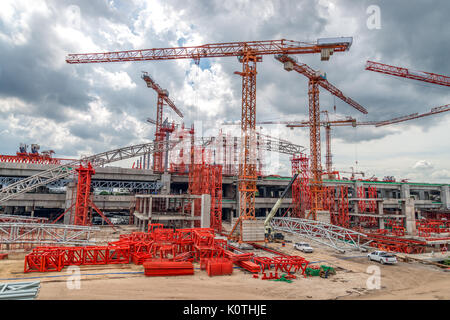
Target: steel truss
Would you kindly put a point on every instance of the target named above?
(96, 184)
(64, 171)
(40, 233)
(21, 219)
(330, 235)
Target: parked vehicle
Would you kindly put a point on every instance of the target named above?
(383, 257)
(303, 246)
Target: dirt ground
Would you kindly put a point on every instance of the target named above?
(401, 281)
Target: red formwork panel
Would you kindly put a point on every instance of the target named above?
(3, 256)
(168, 268)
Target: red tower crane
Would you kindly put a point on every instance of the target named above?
(316, 79)
(163, 98)
(409, 74)
(248, 53)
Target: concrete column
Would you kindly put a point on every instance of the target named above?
(409, 212)
(445, 196)
(405, 191)
(71, 190)
(165, 181)
(205, 220)
(422, 195)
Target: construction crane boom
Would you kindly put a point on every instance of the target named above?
(292, 64)
(415, 115)
(216, 50)
(161, 92)
(407, 73)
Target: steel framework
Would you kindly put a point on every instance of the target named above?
(63, 171)
(95, 184)
(12, 233)
(163, 98)
(21, 219)
(336, 237)
(315, 80)
(248, 53)
(343, 218)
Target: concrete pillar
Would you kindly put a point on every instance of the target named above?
(422, 195)
(71, 191)
(165, 181)
(405, 191)
(445, 196)
(205, 220)
(409, 212)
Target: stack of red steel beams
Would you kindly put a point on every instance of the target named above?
(219, 266)
(168, 268)
(140, 257)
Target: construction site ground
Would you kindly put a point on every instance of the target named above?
(402, 281)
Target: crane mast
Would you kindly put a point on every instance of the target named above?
(163, 98)
(316, 79)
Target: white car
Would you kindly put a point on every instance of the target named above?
(383, 257)
(303, 246)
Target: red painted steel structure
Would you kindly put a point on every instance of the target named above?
(316, 80)
(343, 218)
(216, 198)
(296, 188)
(81, 217)
(249, 53)
(407, 73)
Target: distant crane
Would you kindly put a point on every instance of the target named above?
(415, 115)
(407, 73)
(163, 98)
(316, 79)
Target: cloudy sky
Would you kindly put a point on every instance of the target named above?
(84, 109)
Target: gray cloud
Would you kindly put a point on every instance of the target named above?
(413, 34)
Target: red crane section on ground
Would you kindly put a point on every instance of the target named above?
(409, 74)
